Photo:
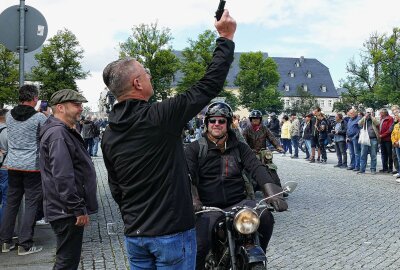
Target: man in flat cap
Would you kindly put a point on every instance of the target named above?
(68, 176)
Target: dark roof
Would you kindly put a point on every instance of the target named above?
(320, 75)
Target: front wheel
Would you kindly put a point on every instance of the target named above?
(257, 266)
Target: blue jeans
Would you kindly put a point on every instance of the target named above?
(355, 153)
(3, 189)
(373, 150)
(95, 145)
(169, 252)
(398, 154)
(295, 143)
(308, 146)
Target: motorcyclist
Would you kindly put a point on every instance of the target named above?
(218, 180)
(257, 135)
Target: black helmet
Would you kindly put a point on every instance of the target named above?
(219, 109)
(255, 114)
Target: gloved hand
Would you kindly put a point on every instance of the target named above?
(277, 201)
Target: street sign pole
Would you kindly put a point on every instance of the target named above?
(21, 47)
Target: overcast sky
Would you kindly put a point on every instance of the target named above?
(332, 31)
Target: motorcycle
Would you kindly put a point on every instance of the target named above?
(329, 144)
(235, 241)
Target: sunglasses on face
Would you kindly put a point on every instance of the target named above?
(215, 120)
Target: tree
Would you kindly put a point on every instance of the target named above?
(194, 63)
(9, 74)
(59, 64)
(150, 46)
(258, 80)
(303, 104)
(375, 80)
(390, 79)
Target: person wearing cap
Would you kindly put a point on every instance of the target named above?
(69, 177)
(22, 161)
(145, 161)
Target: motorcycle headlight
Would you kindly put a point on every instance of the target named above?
(246, 221)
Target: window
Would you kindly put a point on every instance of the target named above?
(330, 103)
(323, 88)
(305, 88)
(287, 104)
(297, 64)
(309, 74)
(286, 87)
(322, 103)
(291, 74)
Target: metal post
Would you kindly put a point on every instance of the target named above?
(21, 47)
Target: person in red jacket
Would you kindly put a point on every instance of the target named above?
(386, 143)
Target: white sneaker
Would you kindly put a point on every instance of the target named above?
(33, 249)
(398, 180)
(41, 222)
(396, 174)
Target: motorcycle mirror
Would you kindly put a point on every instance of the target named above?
(289, 186)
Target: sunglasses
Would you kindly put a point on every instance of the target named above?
(215, 120)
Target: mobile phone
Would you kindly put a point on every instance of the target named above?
(43, 105)
(220, 10)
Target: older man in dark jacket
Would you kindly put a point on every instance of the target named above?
(68, 177)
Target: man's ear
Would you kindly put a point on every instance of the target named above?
(136, 84)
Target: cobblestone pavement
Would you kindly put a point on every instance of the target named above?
(336, 220)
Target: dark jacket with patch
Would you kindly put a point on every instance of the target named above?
(68, 174)
(219, 175)
(143, 153)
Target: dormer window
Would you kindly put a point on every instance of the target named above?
(291, 74)
(323, 88)
(297, 64)
(286, 85)
(309, 74)
(305, 87)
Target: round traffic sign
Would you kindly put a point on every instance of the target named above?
(35, 28)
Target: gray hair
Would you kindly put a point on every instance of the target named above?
(116, 75)
(385, 111)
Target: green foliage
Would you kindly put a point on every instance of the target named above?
(150, 46)
(195, 60)
(374, 81)
(303, 104)
(258, 80)
(9, 74)
(59, 64)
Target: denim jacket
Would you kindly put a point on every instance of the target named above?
(353, 129)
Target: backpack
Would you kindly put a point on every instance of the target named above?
(203, 153)
(4, 157)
